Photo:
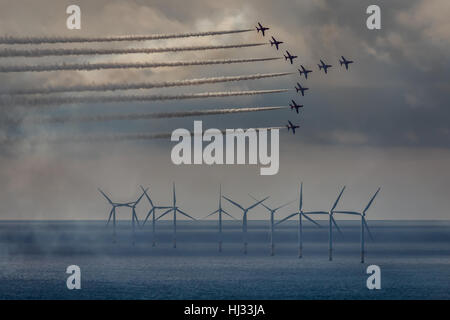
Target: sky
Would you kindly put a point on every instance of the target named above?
(384, 123)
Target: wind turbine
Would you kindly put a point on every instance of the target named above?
(134, 216)
(331, 221)
(152, 212)
(272, 226)
(175, 209)
(301, 214)
(116, 205)
(219, 212)
(363, 222)
(244, 217)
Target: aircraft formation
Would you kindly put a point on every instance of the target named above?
(173, 209)
(43, 96)
(289, 57)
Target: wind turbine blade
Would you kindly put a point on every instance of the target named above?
(338, 198)
(162, 207)
(257, 203)
(148, 215)
(109, 200)
(311, 220)
(316, 212)
(367, 228)
(300, 204)
(209, 215)
(174, 195)
(270, 210)
(185, 214)
(136, 217)
(229, 215)
(370, 202)
(282, 206)
(110, 216)
(348, 212)
(232, 202)
(139, 199)
(171, 209)
(287, 218)
(147, 196)
(336, 225)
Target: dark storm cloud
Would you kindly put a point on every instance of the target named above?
(401, 67)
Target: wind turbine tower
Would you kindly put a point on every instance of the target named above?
(116, 205)
(244, 217)
(301, 214)
(363, 222)
(219, 213)
(272, 224)
(152, 212)
(331, 221)
(175, 209)
(134, 217)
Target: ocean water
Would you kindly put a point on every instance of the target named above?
(414, 257)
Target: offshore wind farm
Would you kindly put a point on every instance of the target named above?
(174, 209)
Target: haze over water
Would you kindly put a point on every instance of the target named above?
(414, 257)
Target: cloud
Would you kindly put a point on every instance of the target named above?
(384, 122)
(429, 19)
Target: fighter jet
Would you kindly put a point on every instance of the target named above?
(324, 66)
(304, 71)
(261, 28)
(345, 61)
(300, 88)
(290, 57)
(275, 42)
(295, 105)
(292, 126)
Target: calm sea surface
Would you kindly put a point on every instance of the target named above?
(414, 257)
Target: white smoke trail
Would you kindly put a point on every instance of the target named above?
(155, 115)
(107, 137)
(34, 101)
(41, 40)
(112, 65)
(5, 53)
(145, 85)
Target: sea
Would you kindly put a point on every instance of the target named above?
(413, 257)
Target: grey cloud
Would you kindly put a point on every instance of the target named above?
(385, 122)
